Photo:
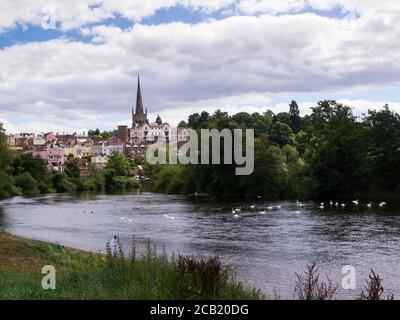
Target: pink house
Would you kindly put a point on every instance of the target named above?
(54, 156)
(50, 137)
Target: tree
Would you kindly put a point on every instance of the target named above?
(27, 184)
(72, 169)
(281, 134)
(119, 163)
(36, 167)
(4, 152)
(337, 155)
(294, 113)
(384, 152)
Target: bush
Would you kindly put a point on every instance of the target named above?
(61, 184)
(27, 184)
(7, 187)
(45, 188)
(309, 286)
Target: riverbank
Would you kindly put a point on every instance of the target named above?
(85, 275)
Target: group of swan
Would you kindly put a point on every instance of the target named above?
(355, 202)
(236, 211)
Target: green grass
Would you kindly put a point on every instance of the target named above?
(81, 275)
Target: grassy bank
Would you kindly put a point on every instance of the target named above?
(82, 275)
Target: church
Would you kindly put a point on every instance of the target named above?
(144, 132)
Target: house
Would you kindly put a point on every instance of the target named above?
(118, 148)
(98, 148)
(39, 140)
(55, 157)
(99, 161)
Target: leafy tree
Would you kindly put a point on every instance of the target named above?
(337, 154)
(119, 163)
(72, 169)
(283, 117)
(27, 184)
(36, 167)
(384, 150)
(4, 152)
(295, 120)
(281, 134)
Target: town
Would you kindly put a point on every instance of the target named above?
(95, 147)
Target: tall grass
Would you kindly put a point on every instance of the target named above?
(145, 275)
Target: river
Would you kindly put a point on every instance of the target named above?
(264, 250)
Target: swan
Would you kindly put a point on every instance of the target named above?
(321, 207)
(169, 217)
(336, 204)
(298, 212)
(331, 202)
(252, 207)
(270, 208)
(236, 216)
(122, 218)
(263, 212)
(279, 207)
(355, 202)
(130, 220)
(369, 205)
(343, 205)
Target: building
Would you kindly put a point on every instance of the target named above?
(99, 161)
(143, 132)
(55, 157)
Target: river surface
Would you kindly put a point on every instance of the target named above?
(265, 250)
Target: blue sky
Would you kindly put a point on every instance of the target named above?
(71, 66)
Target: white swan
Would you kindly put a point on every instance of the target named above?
(263, 212)
(169, 217)
(369, 205)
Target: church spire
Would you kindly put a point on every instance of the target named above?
(139, 101)
(139, 117)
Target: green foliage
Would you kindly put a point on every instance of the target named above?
(61, 184)
(119, 163)
(36, 167)
(72, 169)
(27, 184)
(7, 186)
(145, 275)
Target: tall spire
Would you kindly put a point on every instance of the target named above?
(139, 117)
(139, 101)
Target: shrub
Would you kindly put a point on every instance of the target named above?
(27, 184)
(309, 286)
(7, 187)
(202, 277)
(374, 289)
(61, 184)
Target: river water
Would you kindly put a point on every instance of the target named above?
(265, 250)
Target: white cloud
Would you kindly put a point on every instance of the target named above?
(238, 63)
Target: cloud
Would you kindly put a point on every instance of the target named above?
(237, 63)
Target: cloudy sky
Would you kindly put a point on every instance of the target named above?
(72, 65)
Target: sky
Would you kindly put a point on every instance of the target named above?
(69, 66)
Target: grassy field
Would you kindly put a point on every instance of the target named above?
(83, 275)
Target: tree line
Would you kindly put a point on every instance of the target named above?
(328, 154)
